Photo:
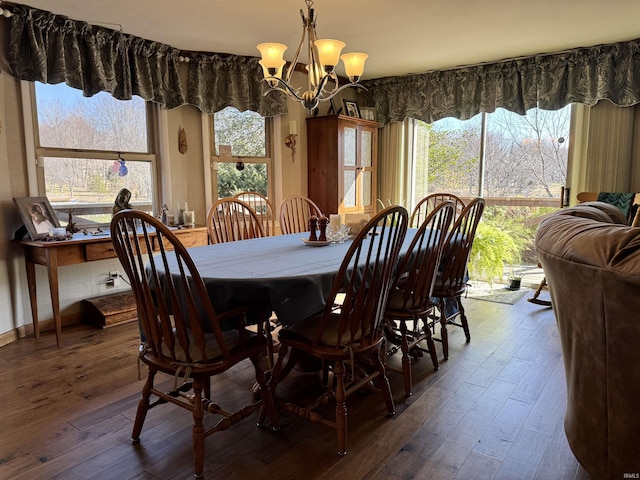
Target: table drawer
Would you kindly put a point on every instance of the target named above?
(99, 251)
(189, 238)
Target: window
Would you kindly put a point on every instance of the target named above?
(241, 147)
(522, 177)
(525, 155)
(88, 149)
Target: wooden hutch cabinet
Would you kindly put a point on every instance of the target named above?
(342, 155)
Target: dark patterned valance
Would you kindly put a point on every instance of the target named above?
(52, 48)
(582, 75)
(217, 81)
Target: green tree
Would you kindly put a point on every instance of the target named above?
(231, 180)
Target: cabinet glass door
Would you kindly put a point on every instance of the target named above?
(349, 189)
(350, 163)
(366, 171)
(349, 145)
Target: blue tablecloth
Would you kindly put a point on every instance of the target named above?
(280, 272)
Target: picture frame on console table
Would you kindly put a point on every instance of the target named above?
(37, 215)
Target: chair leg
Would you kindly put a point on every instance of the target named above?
(382, 382)
(406, 359)
(341, 407)
(198, 428)
(444, 336)
(431, 346)
(143, 406)
(463, 320)
(267, 397)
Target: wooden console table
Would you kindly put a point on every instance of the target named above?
(79, 249)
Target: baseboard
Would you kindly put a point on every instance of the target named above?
(45, 326)
(11, 336)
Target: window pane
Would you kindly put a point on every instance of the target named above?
(66, 119)
(447, 157)
(253, 178)
(526, 155)
(90, 186)
(244, 131)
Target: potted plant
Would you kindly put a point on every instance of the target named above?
(515, 278)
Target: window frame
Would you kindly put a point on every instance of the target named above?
(38, 152)
(267, 159)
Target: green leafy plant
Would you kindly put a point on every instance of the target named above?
(493, 247)
(515, 273)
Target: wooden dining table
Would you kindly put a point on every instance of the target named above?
(281, 272)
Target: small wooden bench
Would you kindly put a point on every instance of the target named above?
(108, 310)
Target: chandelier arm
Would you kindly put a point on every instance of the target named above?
(325, 81)
(288, 89)
(315, 72)
(294, 62)
(335, 92)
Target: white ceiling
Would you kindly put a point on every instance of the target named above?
(400, 36)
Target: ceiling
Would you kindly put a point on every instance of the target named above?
(400, 36)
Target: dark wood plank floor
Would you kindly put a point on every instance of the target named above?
(493, 410)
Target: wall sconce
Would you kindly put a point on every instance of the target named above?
(290, 140)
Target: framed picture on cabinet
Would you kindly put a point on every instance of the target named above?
(368, 113)
(350, 107)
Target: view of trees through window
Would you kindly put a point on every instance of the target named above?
(80, 141)
(525, 158)
(246, 169)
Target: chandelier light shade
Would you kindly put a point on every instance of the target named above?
(324, 56)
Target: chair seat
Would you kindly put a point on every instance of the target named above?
(304, 333)
(447, 288)
(396, 303)
(231, 338)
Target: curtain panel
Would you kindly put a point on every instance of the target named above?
(217, 81)
(582, 75)
(52, 48)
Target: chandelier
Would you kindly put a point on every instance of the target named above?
(324, 56)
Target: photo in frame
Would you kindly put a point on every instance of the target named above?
(333, 110)
(350, 107)
(368, 113)
(37, 215)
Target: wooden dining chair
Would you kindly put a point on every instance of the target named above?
(347, 335)
(429, 202)
(451, 281)
(230, 219)
(407, 314)
(262, 208)
(182, 333)
(295, 212)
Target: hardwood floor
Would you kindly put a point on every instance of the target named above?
(494, 410)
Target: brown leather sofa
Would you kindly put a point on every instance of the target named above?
(591, 260)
